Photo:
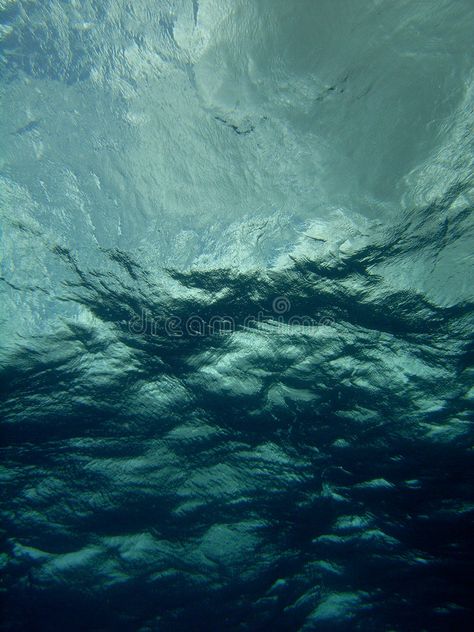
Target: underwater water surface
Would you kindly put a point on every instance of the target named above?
(236, 315)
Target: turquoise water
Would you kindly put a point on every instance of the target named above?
(236, 315)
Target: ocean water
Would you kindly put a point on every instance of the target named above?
(236, 345)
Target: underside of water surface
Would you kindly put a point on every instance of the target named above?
(236, 344)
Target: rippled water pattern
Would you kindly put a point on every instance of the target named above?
(236, 345)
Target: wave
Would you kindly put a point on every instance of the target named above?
(236, 351)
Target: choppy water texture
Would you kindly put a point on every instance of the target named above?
(237, 315)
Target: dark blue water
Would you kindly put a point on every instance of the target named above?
(236, 369)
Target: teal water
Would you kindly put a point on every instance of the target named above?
(236, 342)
